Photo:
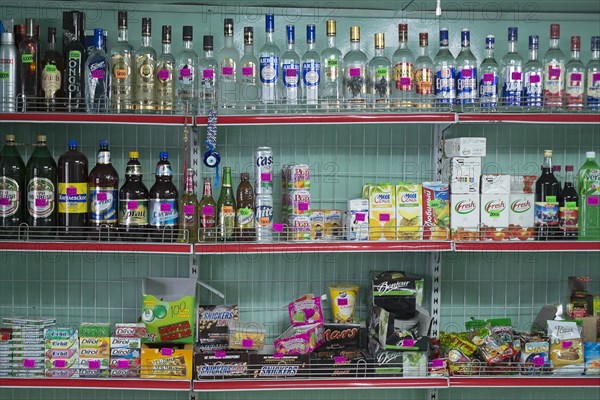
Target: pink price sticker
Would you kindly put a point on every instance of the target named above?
(596, 77)
(71, 191)
(278, 228)
(101, 196)
(189, 210)
(278, 355)
(220, 354)
(266, 177)
(384, 217)
(163, 74)
(339, 359)
(60, 363)
(437, 363)
(227, 71)
(165, 207)
(303, 206)
(132, 205)
(98, 74)
(534, 79)
(206, 210)
(554, 73)
(41, 202)
(515, 76)
(247, 71)
(488, 77)
(291, 72)
(592, 200)
(247, 343)
(28, 363)
(354, 72)
(94, 364)
(360, 217)
(467, 73)
(576, 77)
(342, 302)
(4, 201)
(408, 343)
(166, 351)
(208, 74)
(123, 364)
(185, 72)
(538, 361)
(404, 81)
(566, 344)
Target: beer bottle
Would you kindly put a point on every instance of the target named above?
(188, 205)
(72, 190)
(244, 221)
(41, 190)
(133, 203)
(207, 210)
(12, 187)
(163, 202)
(103, 186)
(226, 208)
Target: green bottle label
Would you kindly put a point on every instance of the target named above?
(50, 68)
(75, 54)
(332, 62)
(550, 199)
(4, 76)
(381, 72)
(27, 58)
(571, 205)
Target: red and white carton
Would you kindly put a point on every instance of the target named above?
(464, 216)
(521, 216)
(494, 216)
(495, 184)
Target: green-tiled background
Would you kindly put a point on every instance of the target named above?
(75, 287)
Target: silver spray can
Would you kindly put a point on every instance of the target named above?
(8, 72)
(263, 170)
(264, 217)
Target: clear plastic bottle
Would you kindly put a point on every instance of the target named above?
(488, 70)
(355, 72)
(403, 87)
(290, 69)
(311, 70)
(380, 75)
(533, 77)
(588, 187)
(445, 72)
(574, 77)
(268, 57)
(512, 72)
(554, 71)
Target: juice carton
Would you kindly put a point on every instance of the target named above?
(382, 210)
(494, 216)
(523, 184)
(495, 184)
(463, 172)
(464, 216)
(317, 224)
(520, 216)
(365, 190)
(356, 224)
(333, 224)
(409, 209)
(436, 211)
(465, 147)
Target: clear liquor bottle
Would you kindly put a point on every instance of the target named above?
(249, 67)
(290, 69)
(53, 72)
(311, 69)
(28, 59)
(208, 69)
(355, 71)
(592, 73)
(145, 65)
(512, 72)
(554, 71)
(574, 82)
(97, 77)
(488, 70)
(121, 57)
(74, 82)
(268, 57)
(188, 207)
(466, 71)
(533, 76)
(445, 72)
(380, 75)
(187, 63)
(424, 96)
(330, 88)
(403, 87)
(228, 63)
(165, 82)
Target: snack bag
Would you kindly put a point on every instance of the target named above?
(566, 347)
(460, 352)
(489, 345)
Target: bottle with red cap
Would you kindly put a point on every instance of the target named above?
(554, 71)
(574, 82)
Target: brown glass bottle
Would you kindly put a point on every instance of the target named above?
(244, 214)
(72, 191)
(207, 214)
(163, 203)
(103, 204)
(28, 61)
(52, 72)
(133, 203)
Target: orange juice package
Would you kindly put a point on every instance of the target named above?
(382, 212)
(436, 211)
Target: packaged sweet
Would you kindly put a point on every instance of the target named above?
(346, 364)
(414, 363)
(270, 365)
(491, 349)
(591, 353)
(340, 337)
(213, 325)
(94, 329)
(460, 353)
(386, 362)
(343, 299)
(566, 347)
(397, 292)
(246, 335)
(221, 364)
(534, 353)
(502, 327)
(394, 333)
(127, 330)
(300, 339)
(161, 362)
(306, 310)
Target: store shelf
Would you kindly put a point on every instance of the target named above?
(524, 381)
(84, 383)
(527, 246)
(318, 384)
(99, 247)
(82, 118)
(531, 118)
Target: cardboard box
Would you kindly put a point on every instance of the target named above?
(344, 336)
(436, 211)
(521, 217)
(317, 224)
(400, 334)
(94, 373)
(125, 352)
(58, 334)
(494, 216)
(464, 216)
(127, 343)
(523, 184)
(385, 362)
(61, 373)
(125, 363)
(94, 342)
(126, 330)
(495, 184)
(94, 352)
(125, 373)
(271, 366)
(463, 174)
(356, 223)
(409, 210)
(213, 325)
(161, 362)
(397, 291)
(333, 224)
(94, 329)
(346, 365)
(221, 364)
(62, 343)
(465, 147)
(382, 212)
(300, 339)
(96, 363)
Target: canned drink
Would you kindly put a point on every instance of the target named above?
(299, 226)
(298, 176)
(298, 202)
(264, 217)
(263, 170)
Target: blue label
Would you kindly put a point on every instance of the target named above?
(445, 90)
(466, 85)
(488, 89)
(269, 69)
(593, 102)
(163, 212)
(546, 213)
(512, 89)
(532, 89)
(103, 206)
(311, 73)
(291, 75)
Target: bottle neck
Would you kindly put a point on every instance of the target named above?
(378, 52)
(290, 46)
(554, 43)
(311, 46)
(331, 41)
(187, 44)
(208, 53)
(228, 41)
(146, 41)
(547, 165)
(166, 48)
(533, 54)
(489, 53)
(402, 45)
(269, 38)
(575, 54)
(355, 45)
(189, 183)
(207, 192)
(512, 46)
(52, 44)
(422, 51)
(122, 35)
(569, 178)
(596, 55)
(248, 49)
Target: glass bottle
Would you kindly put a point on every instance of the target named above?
(355, 71)
(228, 63)
(8, 72)
(268, 57)
(145, 66)
(244, 221)
(311, 69)
(557, 174)
(75, 55)
(187, 62)
(290, 69)
(165, 83)
(72, 190)
(207, 214)
(574, 82)
(533, 75)
(569, 207)
(445, 72)
(380, 75)
(97, 77)
(163, 202)
(512, 72)
(466, 71)
(249, 67)
(226, 208)
(41, 188)
(103, 187)
(207, 67)
(133, 203)
(488, 70)
(330, 88)
(188, 207)
(423, 74)
(28, 59)
(592, 73)
(403, 88)
(554, 71)
(12, 185)
(121, 57)
(547, 191)
(52, 72)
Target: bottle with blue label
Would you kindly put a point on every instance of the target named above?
(466, 71)
(592, 72)
(290, 69)
(133, 202)
(512, 72)
(488, 70)
(103, 200)
(268, 57)
(533, 76)
(163, 198)
(445, 72)
(311, 69)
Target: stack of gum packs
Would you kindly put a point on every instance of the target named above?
(125, 350)
(26, 355)
(94, 351)
(62, 352)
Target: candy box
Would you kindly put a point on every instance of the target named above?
(62, 343)
(465, 147)
(94, 342)
(94, 373)
(246, 335)
(168, 305)
(356, 225)
(94, 352)
(397, 334)
(94, 329)
(385, 362)
(300, 339)
(350, 364)
(125, 352)
(161, 362)
(397, 292)
(94, 363)
(213, 325)
(566, 347)
(306, 310)
(344, 336)
(436, 211)
(128, 343)
(133, 330)
(64, 354)
(409, 209)
(270, 366)
(534, 353)
(382, 212)
(317, 224)
(125, 373)
(591, 354)
(333, 224)
(70, 362)
(61, 373)
(221, 364)
(414, 363)
(61, 333)
(125, 363)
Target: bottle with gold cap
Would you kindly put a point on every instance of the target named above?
(355, 72)
(41, 174)
(380, 75)
(133, 202)
(403, 88)
(12, 184)
(330, 88)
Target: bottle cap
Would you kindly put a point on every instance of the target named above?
(590, 154)
(595, 43)
(188, 32)
(7, 38)
(41, 138)
(29, 23)
(569, 168)
(248, 35)
(490, 40)
(444, 37)
(379, 41)
(290, 33)
(10, 137)
(547, 153)
(208, 42)
(122, 19)
(513, 34)
(98, 38)
(555, 31)
(269, 23)
(166, 34)
(534, 42)
(575, 43)
(355, 33)
(73, 143)
(163, 155)
(465, 37)
(134, 154)
(310, 33)
(51, 33)
(146, 26)
(403, 32)
(244, 176)
(423, 39)
(330, 24)
(228, 26)
(103, 143)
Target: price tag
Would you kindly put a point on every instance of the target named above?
(467, 73)
(101, 196)
(166, 351)
(339, 359)
(41, 202)
(303, 206)
(220, 353)
(28, 363)
(408, 343)
(360, 217)
(494, 214)
(571, 205)
(592, 200)
(534, 79)
(247, 71)
(189, 210)
(208, 74)
(554, 73)
(437, 363)
(576, 77)
(4, 201)
(278, 228)
(227, 71)
(266, 177)
(566, 344)
(354, 72)
(207, 210)
(515, 76)
(123, 364)
(342, 302)
(71, 191)
(384, 217)
(435, 203)
(488, 77)
(163, 74)
(404, 81)
(291, 72)
(550, 199)
(247, 343)
(185, 72)
(60, 363)
(98, 74)
(132, 205)
(165, 207)
(596, 77)
(278, 355)
(94, 364)
(538, 361)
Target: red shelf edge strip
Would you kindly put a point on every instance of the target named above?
(528, 246)
(315, 247)
(540, 118)
(107, 383)
(329, 118)
(208, 385)
(550, 381)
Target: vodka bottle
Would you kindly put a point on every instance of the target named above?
(466, 71)
(269, 64)
(8, 73)
(424, 74)
(249, 71)
(488, 70)
(512, 72)
(121, 57)
(165, 67)
(445, 72)
(355, 71)
(330, 88)
(380, 75)
(554, 71)
(574, 82)
(228, 63)
(311, 69)
(533, 76)
(403, 87)
(290, 69)
(145, 64)
(74, 54)
(207, 69)
(97, 76)
(592, 73)
(187, 63)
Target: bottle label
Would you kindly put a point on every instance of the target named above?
(26, 58)
(466, 84)
(189, 210)
(98, 70)
(227, 220)
(574, 90)
(264, 216)
(245, 218)
(269, 69)
(332, 69)
(533, 88)
(593, 89)
(228, 67)
(356, 84)
(51, 81)
(103, 157)
(403, 76)
(445, 85)
(291, 74)
(248, 70)
(590, 183)
(145, 79)
(186, 75)
(163, 212)
(381, 83)
(164, 170)
(512, 89)
(311, 73)
(424, 81)
(546, 213)
(553, 81)
(133, 212)
(72, 198)
(4, 75)
(568, 216)
(207, 217)
(40, 197)
(10, 197)
(103, 205)
(489, 89)
(163, 75)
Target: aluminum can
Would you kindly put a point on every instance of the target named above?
(263, 171)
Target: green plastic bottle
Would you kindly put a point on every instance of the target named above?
(588, 179)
